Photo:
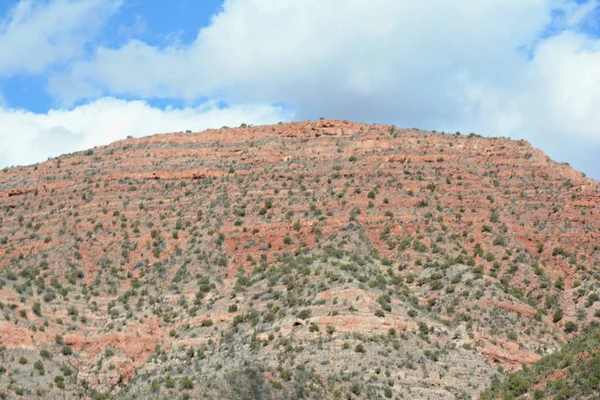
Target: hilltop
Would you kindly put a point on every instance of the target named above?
(326, 259)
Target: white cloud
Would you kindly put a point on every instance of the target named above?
(36, 34)
(297, 50)
(414, 62)
(26, 137)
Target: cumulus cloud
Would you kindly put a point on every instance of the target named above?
(36, 34)
(27, 137)
(298, 50)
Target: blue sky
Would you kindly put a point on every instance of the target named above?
(80, 73)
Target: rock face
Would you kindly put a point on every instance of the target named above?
(312, 259)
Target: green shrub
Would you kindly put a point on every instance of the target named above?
(571, 327)
(558, 314)
(37, 308)
(45, 354)
(186, 383)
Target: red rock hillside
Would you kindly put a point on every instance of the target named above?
(325, 259)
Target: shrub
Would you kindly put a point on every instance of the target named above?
(355, 388)
(570, 327)
(38, 365)
(516, 386)
(558, 314)
(186, 383)
(559, 251)
(592, 298)
(170, 383)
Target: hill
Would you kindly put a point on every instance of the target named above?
(325, 259)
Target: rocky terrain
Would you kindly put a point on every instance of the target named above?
(322, 260)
